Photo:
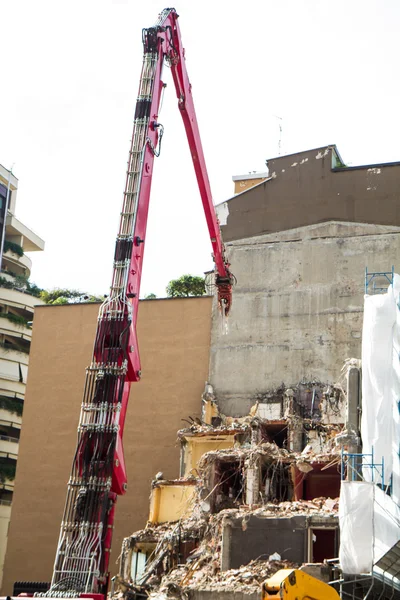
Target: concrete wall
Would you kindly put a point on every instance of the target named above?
(297, 308)
(260, 537)
(263, 537)
(306, 188)
(174, 338)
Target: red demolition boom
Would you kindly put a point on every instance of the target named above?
(98, 471)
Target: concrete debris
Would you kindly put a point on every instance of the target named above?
(246, 579)
(272, 451)
(203, 533)
(228, 427)
(318, 506)
(256, 494)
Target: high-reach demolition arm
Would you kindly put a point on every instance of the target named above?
(98, 472)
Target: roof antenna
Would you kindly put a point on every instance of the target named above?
(280, 134)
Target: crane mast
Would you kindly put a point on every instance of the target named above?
(98, 473)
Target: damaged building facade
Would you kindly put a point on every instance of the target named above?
(261, 474)
(299, 243)
(256, 494)
(259, 496)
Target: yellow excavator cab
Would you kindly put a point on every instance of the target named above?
(292, 584)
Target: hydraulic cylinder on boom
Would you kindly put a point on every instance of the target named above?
(98, 471)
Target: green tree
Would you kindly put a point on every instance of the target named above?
(65, 296)
(150, 296)
(186, 285)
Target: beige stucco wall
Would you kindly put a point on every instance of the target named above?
(174, 340)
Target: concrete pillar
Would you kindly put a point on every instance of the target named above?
(253, 484)
(295, 435)
(350, 438)
(352, 414)
(226, 546)
(288, 404)
(255, 436)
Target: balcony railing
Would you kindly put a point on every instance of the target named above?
(364, 467)
(5, 502)
(7, 438)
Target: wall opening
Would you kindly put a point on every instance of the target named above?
(276, 483)
(323, 544)
(321, 482)
(276, 433)
(229, 484)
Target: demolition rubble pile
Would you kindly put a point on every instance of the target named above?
(202, 568)
(317, 506)
(247, 579)
(259, 475)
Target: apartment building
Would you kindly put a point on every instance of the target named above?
(17, 300)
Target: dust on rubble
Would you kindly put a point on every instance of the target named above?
(247, 578)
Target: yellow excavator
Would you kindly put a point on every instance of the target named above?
(292, 584)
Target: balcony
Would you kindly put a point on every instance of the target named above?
(17, 264)
(10, 419)
(9, 446)
(14, 356)
(12, 388)
(7, 485)
(19, 299)
(14, 371)
(22, 235)
(15, 329)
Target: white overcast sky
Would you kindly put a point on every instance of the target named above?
(70, 73)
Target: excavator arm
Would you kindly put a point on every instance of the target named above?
(293, 584)
(98, 473)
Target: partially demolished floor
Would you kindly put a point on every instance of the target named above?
(256, 494)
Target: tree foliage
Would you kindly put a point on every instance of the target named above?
(186, 285)
(20, 283)
(17, 319)
(150, 296)
(13, 405)
(13, 247)
(7, 469)
(65, 296)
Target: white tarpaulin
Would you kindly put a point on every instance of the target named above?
(386, 523)
(380, 380)
(356, 531)
(396, 402)
(369, 518)
(369, 525)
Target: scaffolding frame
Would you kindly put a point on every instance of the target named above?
(371, 277)
(353, 466)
